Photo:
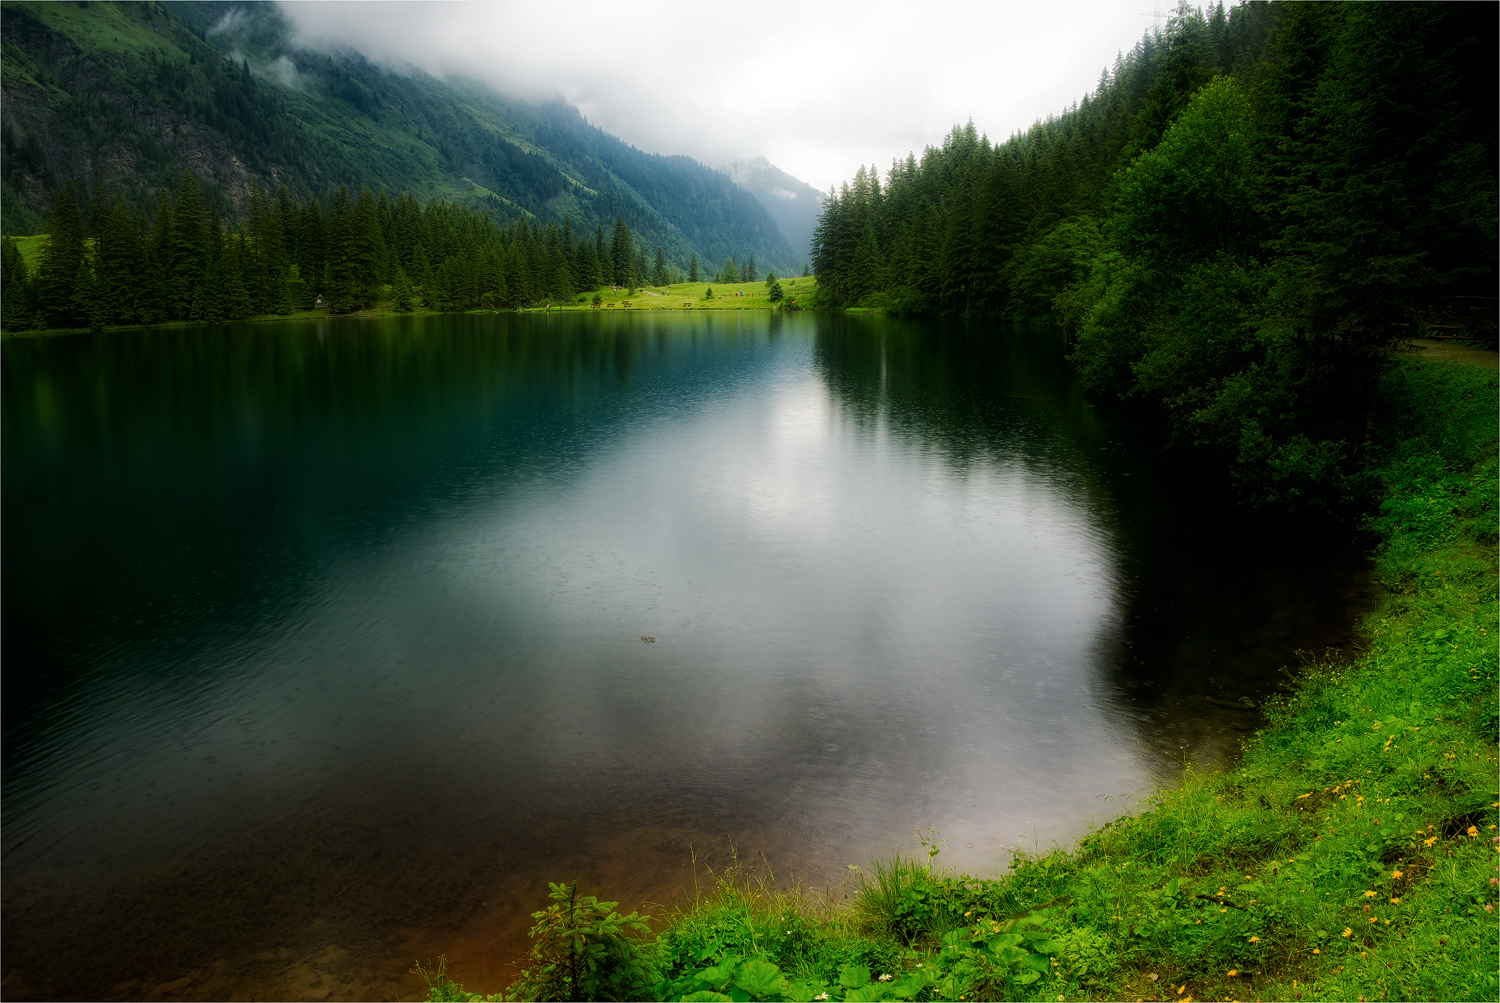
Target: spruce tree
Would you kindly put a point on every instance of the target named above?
(622, 253)
(693, 269)
(15, 287)
(89, 298)
(369, 251)
(606, 263)
(62, 257)
(154, 302)
(659, 269)
(188, 263)
(345, 293)
(401, 293)
(748, 274)
(730, 273)
(120, 265)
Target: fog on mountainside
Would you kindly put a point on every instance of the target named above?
(123, 97)
(792, 203)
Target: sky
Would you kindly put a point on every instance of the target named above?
(819, 88)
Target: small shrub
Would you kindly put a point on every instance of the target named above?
(582, 950)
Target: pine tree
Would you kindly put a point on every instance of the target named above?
(659, 269)
(188, 264)
(401, 293)
(606, 263)
(89, 297)
(119, 261)
(622, 253)
(748, 274)
(62, 257)
(238, 303)
(730, 273)
(312, 252)
(369, 248)
(154, 301)
(15, 287)
(693, 269)
(345, 293)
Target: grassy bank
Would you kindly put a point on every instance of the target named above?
(1350, 853)
(797, 293)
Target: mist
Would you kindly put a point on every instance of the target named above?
(819, 89)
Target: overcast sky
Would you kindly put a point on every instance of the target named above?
(818, 87)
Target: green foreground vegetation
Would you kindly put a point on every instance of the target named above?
(1350, 854)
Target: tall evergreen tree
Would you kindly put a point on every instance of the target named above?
(62, 257)
(622, 253)
(346, 264)
(188, 265)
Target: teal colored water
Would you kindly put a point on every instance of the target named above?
(323, 642)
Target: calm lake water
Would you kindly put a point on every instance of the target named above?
(323, 641)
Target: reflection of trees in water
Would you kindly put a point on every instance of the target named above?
(1001, 394)
(1211, 603)
(227, 458)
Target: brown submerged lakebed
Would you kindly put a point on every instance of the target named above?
(323, 642)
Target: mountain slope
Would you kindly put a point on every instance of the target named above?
(793, 204)
(134, 92)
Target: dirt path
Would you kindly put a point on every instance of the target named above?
(1452, 351)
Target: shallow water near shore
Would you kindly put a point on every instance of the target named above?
(325, 641)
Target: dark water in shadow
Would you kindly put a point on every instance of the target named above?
(323, 651)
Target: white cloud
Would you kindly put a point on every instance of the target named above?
(818, 88)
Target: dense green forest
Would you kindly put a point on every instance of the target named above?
(104, 264)
(1250, 210)
(132, 92)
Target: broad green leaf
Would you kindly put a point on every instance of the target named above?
(705, 997)
(910, 984)
(1046, 946)
(1004, 940)
(853, 976)
(759, 978)
(953, 937)
(1172, 887)
(1011, 955)
(1027, 978)
(1038, 962)
(874, 991)
(803, 992)
(719, 974)
(738, 995)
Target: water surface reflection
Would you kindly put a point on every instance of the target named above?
(324, 651)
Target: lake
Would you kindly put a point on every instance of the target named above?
(325, 642)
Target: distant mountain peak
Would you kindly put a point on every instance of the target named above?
(792, 203)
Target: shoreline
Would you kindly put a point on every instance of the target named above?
(680, 298)
(1348, 852)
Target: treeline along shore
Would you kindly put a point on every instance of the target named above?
(104, 264)
(1243, 219)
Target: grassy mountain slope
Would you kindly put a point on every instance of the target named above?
(131, 93)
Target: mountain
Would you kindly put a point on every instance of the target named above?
(127, 94)
(793, 204)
